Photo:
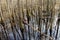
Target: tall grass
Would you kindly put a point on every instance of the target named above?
(28, 20)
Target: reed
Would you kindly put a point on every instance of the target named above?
(29, 20)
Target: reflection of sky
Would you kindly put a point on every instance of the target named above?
(58, 33)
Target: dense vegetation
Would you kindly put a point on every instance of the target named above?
(29, 20)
